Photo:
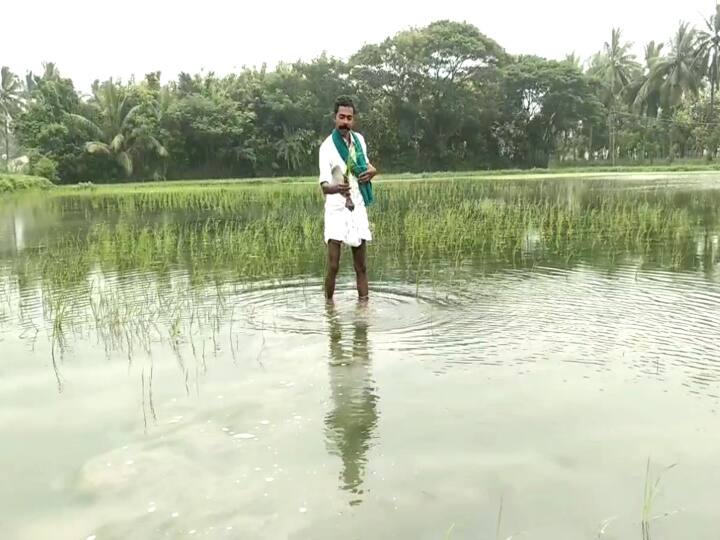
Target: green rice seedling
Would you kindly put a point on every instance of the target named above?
(428, 233)
(650, 493)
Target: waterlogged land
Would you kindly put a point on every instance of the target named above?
(169, 367)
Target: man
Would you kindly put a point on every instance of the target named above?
(345, 175)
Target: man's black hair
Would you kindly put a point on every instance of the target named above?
(344, 101)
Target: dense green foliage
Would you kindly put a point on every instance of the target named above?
(18, 182)
(442, 97)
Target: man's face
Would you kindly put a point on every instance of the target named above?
(344, 119)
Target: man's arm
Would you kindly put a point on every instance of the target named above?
(371, 170)
(326, 178)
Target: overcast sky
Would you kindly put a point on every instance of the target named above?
(90, 39)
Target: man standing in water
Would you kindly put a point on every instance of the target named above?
(345, 178)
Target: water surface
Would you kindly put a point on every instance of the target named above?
(170, 369)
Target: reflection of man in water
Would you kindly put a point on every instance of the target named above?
(351, 422)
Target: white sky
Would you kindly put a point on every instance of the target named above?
(90, 39)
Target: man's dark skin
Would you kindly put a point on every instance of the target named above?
(344, 121)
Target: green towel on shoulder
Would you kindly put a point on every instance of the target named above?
(356, 166)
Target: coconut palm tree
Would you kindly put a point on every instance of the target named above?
(678, 74)
(158, 110)
(675, 76)
(708, 53)
(50, 73)
(10, 105)
(115, 136)
(644, 92)
(615, 66)
(574, 60)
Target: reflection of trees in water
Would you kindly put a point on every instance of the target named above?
(12, 234)
(353, 418)
(708, 250)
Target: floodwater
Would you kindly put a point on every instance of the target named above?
(167, 372)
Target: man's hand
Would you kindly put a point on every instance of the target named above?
(368, 175)
(332, 189)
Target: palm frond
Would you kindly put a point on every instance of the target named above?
(86, 123)
(158, 146)
(125, 161)
(117, 143)
(97, 147)
(129, 116)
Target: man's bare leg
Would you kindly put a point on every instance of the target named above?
(359, 262)
(333, 265)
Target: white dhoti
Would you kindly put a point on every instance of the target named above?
(348, 227)
(341, 224)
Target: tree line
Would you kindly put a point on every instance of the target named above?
(441, 97)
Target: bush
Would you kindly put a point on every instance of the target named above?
(10, 183)
(45, 168)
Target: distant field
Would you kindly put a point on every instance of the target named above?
(630, 173)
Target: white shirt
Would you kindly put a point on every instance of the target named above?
(329, 157)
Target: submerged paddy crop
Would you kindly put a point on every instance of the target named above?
(186, 245)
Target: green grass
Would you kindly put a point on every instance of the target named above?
(10, 183)
(570, 173)
(422, 229)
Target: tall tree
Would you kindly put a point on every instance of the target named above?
(425, 81)
(113, 126)
(211, 135)
(708, 53)
(678, 74)
(644, 91)
(643, 96)
(546, 100)
(47, 128)
(10, 105)
(616, 67)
